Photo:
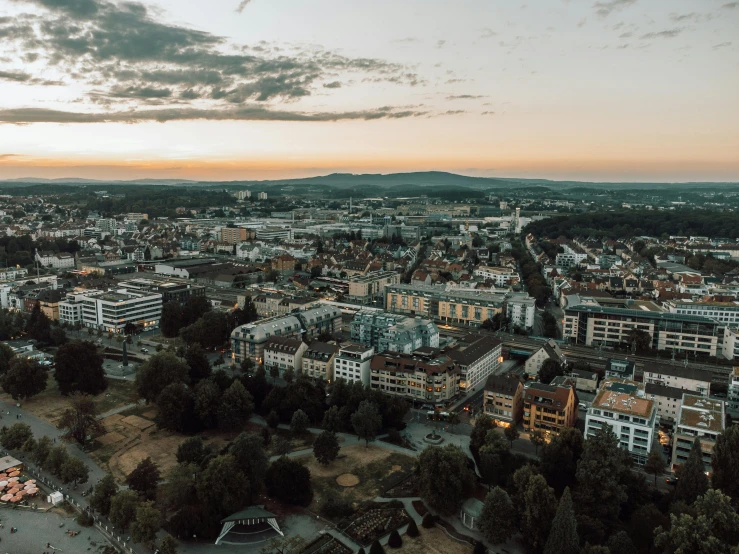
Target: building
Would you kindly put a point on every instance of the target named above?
(549, 351)
(585, 380)
(570, 257)
(476, 362)
(503, 399)
(369, 287)
(425, 375)
(262, 196)
(56, 260)
(679, 376)
(667, 400)
(732, 397)
(622, 406)
(701, 418)
(283, 262)
(234, 235)
(137, 217)
(353, 362)
(243, 194)
(48, 301)
(393, 332)
(111, 310)
(250, 339)
(724, 313)
(318, 360)
(284, 353)
(623, 369)
(276, 234)
(730, 346)
(610, 327)
(500, 276)
(549, 408)
(521, 310)
(170, 290)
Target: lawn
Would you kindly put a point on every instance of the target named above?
(376, 468)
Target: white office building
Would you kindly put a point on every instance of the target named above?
(111, 310)
(521, 310)
(353, 363)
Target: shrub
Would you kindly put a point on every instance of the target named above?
(428, 521)
(376, 548)
(394, 540)
(85, 519)
(273, 420)
(479, 548)
(412, 530)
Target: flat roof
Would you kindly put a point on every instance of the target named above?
(667, 316)
(619, 398)
(699, 412)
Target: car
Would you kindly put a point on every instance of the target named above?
(671, 481)
(145, 350)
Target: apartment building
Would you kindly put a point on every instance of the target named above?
(111, 310)
(521, 310)
(369, 287)
(732, 397)
(476, 362)
(667, 400)
(549, 351)
(393, 332)
(56, 260)
(446, 304)
(250, 339)
(500, 276)
(701, 418)
(425, 375)
(262, 196)
(679, 376)
(570, 257)
(623, 369)
(549, 407)
(503, 399)
(725, 313)
(284, 353)
(730, 346)
(284, 262)
(353, 362)
(234, 235)
(622, 405)
(318, 360)
(610, 327)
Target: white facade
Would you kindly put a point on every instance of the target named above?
(112, 310)
(521, 310)
(570, 257)
(725, 313)
(680, 377)
(500, 276)
(477, 362)
(59, 260)
(730, 348)
(262, 196)
(274, 355)
(275, 233)
(732, 398)
(353, 363)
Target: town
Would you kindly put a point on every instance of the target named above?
(497, 366)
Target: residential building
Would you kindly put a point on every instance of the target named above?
(425, 375)
(679, 376)
(318, 360)
(26, 349)
(243, 194)
(503, 399)
(276, 234)
(283, 262)
(370, 287)
(667, 400)
(732, 397)
(549, 351)
(570, 257)
(610, 327)
(500, 276)
(262, 196)
(250, 339)
(284, 353)
(137, 217)
(234, 235)
(725, 313)
(623, 369)
(521, 310)
(56, 260)
(353, 362)
(48, 301)
(701, 418)
(585, 380)
(549, 408)
(476, 362)
(111, 310)
(393, 332)
(621, 404)
(730, 346)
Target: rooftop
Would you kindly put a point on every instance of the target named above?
(642, 313)
(618, 396)
(698, 412)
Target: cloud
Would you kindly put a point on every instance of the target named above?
(8, 156)
(488, 33)
(722, 45)
(668, 33)
(440, 43)
(23, 116)
(730, 6)
(582, 22)
(242, 5)
(465, 97)
(122, 53)
(406, 40)
(607, 7)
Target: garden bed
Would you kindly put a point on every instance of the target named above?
(406, 486)
(420, 507)
(326, 544)
(376, 522)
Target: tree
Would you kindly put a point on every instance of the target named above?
(79, 368)
(445, 478)
(221, 495)
(539, 507)
(191, 451)
(601, 471)
(563, 537)
(549, 370)
(247, 365)
(494, 459)
(56, 458)
(168, 545)
(288, 375)
(80, 419)
(176, 405)
(289, 481)
(41, 451)
(248, 450)
(74, 471)
(145, 478)
(207, 402)
(272, 419)
(428, 521)
(511, 433)
(656, 463)
(274, 372)
(332, 420)
(725, 462)
(326, 447)
(483, 424)
(479, 548)
(639, 339)
(6, 356)
(38, 326)
(692, 481)
(198, 363)
(236, 407)
(537, 438)
(102, 494)
(147, 523)
(123, 508)
(281, 446)
(299, 423)
(498, 517)
(366, 421)
(712, 529)
(24, 379)
(159, 371)
(376, 548)
(644, 521)
(621, 543)
(394, 540)
(559, 458)
(412, 530)
(283, 545)
(15, 436)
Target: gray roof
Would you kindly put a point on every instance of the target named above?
(663, 390)
(252, 512)
(681, 371)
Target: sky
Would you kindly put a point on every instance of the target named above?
(606, 90)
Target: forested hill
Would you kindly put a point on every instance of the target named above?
(632, 223)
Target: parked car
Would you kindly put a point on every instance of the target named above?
(671, 481)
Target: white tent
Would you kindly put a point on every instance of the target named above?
(56, 498)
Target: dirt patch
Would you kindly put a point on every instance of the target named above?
(110, 438)
(111, 420)
(432, 541)
(396, 468)
(149, 414)
(138, 422)
(347, 480)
